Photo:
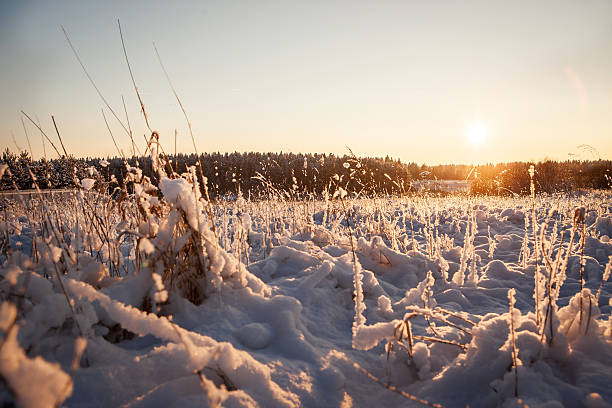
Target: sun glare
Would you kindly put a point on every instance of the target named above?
(477, 133)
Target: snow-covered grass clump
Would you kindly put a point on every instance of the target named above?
(155, 296)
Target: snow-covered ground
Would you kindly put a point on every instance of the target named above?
(452, 186)
(330, 303)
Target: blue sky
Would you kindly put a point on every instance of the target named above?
(399, 78)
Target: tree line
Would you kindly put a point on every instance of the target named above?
(297, 175)
(549, 177)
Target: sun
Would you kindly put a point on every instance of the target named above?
(477, 133)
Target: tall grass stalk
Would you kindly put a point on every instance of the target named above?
(534, 224)
(394, 388)
(511, 302)
(579, 215)
(605, 278)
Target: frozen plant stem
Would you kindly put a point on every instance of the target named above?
(142, 107)
(605, 278)
(511, 301)
(579, 216)
(209, 208)
(92, 83)
(359, 319)
(393, 388)
(536, 275)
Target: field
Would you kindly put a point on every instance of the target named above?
(155, 296)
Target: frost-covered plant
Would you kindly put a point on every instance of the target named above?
(605, 277)
(512, 301)
(534, 224)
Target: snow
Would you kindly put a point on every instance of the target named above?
(366, 337)
(284, 306)
(52, 385)
(180, 193)
(87, 183)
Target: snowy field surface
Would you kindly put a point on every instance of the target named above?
(140, 301)
(452, 186)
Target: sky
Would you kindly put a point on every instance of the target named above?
(413, 80)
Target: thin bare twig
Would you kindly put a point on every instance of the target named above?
(59, 136)
(142, 107)
(76, 54)
(134, 146)
(42, 132)
(112, 137)
(195, 149)
(394, 388)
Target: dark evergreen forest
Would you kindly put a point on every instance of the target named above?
(299, 175)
